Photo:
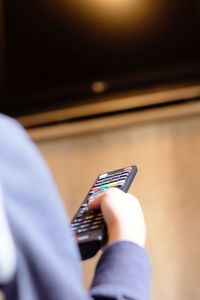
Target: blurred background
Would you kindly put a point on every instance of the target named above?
(101, 85)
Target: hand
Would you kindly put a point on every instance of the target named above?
(123, 215)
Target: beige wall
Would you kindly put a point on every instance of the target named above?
(167, 153)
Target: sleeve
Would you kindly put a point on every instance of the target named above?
(47, 258)
(123, 272)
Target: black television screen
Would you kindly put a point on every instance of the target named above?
(55, 51)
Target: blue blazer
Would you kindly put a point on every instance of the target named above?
(47, 258)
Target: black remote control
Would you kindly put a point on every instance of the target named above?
(88, 225)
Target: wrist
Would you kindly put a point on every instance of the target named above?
(117, 232)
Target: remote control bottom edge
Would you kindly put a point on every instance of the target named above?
(88, 250)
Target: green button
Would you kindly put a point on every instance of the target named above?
(103, 187)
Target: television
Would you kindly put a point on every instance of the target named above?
(63, 53)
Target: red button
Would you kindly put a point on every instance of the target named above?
(96, 189)
(128, 169)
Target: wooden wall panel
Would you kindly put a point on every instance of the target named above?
(168, 186)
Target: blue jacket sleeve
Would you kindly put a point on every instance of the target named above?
(123, 272)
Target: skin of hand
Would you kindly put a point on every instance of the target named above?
(123, 216)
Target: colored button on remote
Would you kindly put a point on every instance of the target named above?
(95, 189)
(128, 169)
(104, 187)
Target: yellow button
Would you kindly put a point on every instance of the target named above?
(112, 184)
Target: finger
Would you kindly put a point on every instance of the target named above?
(96, 202)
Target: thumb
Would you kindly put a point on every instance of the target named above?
(96, 202)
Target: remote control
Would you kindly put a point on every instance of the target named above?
(88, 225)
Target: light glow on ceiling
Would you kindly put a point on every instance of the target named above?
(113, 5)
(110, 19)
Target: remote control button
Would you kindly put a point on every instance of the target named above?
(128, 169)
(94, 227)
(97, 222)
(103, 187)
(87, 221)
(86, 225)
(98, 218)
(75, 221)
(120, 183)
(75, 225)
(89, 217)
(81, 238)
(95, 189)
(116, 178)
(91, 192)
(126, 174)
(86, 208)
(99, 214)
(80, 230)
(102, 176)
(80, 214)
(112, 184)
(90, 198)
(99, 184)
